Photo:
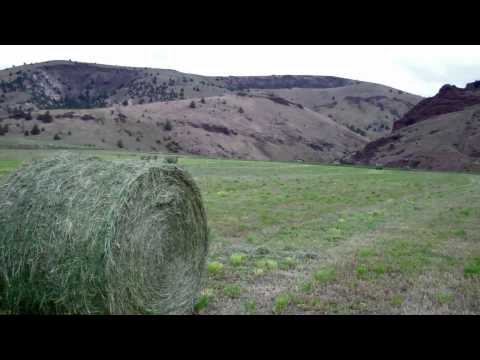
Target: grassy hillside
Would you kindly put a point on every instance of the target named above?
(293, 238)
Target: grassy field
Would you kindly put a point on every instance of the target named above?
(292, 238)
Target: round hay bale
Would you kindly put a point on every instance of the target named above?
(87, 236)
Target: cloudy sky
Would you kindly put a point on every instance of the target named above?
(417, 69)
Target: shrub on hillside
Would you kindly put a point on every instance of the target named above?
(35, 130)
(168, 126)
(45, 118)
(3, 129)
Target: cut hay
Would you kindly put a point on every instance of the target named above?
(86, 236)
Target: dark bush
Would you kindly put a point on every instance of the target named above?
(57, 137)
(168, 126)
(45, 118)
(3, 129)
(35, 130)
(193, 105)
(120, 144)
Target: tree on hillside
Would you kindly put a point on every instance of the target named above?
(3, 129)
(168, 126)
(193, 105)
(45, 118)
(202, 100)
(35, 130)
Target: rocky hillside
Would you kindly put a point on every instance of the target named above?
(449, 99)
(341, 115)
(440, 133)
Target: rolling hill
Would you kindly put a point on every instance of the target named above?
(321, 118)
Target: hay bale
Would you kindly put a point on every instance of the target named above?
(86, 236)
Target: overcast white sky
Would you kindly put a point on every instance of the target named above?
(417, 69)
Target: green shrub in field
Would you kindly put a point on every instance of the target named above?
(205, 297)
(362, 270)
(460, 233)
(472, 268)
(214, 267)
(259, 272)
(366, 252)
(232, 291)
(250, 307)
(397, 300)
(280, 304)
(267, 264)
(306, 286)
(237, 259)
(444, 298)
(325, 274)
(379, 269)
(287, 263)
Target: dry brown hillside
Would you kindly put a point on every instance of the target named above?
(246, 127)
(366, 108)
(284, 117)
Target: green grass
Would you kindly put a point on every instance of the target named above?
(214, 267)
(325, 274)
(237, 259)
(341, 239)
(232, 290)
(250, 307)
(473, 267)
(280, 304)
